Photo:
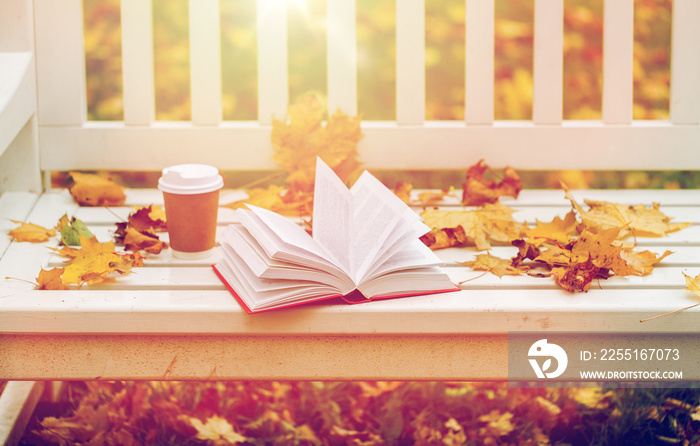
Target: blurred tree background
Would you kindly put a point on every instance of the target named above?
(376, 55)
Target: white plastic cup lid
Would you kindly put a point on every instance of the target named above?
(189, 179)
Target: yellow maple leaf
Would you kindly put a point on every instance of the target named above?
(636, 220)
(496, 265)
(216, 429)
(302, 137)
(29, 232)
(558, 229)
(94, 190)
(490, 223)
(94, 262)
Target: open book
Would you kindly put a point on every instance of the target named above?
(365, 246)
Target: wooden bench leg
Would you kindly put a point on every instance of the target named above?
(17, 403)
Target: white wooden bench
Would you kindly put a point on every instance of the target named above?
(174, 320)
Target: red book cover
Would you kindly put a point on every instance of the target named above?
(354, 297)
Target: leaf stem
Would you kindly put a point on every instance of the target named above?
(672, 312)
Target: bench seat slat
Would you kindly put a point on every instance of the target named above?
(179, 316)
(469, 311)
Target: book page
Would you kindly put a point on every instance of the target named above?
(412, 255)
(332, 215)
(284, 240)
(382, 224)
(235, 239)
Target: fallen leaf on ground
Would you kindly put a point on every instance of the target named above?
(497, 424)
(94, 190)
(216, 429)
(477, 191)
(592, 398)
(29, 232)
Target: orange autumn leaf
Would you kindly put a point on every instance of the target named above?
(477, 191)
(403, 191)
(94, 190)
(29, 232)
(51, 279)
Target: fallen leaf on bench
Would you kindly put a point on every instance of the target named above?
(476, 190)
(138, 232)
(94, 190)
(94, 262)
(578, 276)
(560, 230)
(277, 199)
(691, 284)
(496, 265)
(71, 230)
(142, 241)
(480, 227)
(29, 232)
(639, 220)
(148, 218)
(51, 279)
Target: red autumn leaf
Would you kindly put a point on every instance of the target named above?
(477, 191)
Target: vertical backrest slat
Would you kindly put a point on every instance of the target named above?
(618, 59)
(548, 62)
(342, 57)
(137, 62)
(60, 62)
(205, 62)
(410, 61)
(685, 62)
(479, 70)
(273, 87)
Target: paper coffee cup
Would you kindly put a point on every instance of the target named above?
(191, 196)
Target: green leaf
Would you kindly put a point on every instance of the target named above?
(70, 234)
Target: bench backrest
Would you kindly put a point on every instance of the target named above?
(67, 140)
